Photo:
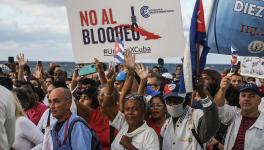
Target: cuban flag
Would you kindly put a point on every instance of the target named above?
(119, 51)
(234, 56)
(196, 40)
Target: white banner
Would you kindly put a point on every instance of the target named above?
(151, 29)
(252, 67)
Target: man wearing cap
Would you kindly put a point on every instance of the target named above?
(246, 125)
(188, 129)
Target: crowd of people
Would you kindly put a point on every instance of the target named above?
(128, 106)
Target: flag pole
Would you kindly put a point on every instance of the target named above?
(197, 65)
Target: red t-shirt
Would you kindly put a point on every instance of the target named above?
(153, 125)
(246, 123)
(34, 114)
(100, 124)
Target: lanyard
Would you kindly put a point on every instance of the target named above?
(65, 133)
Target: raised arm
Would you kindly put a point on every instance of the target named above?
(100, 70)
(39, 75)
(143, 74)
(130, 65)
(21, 63)
(74, 81)
(220, 95)
(110, 97)
(209, 123)
(226, 112)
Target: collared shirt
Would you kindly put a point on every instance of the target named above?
(254, 135)
(81, 136)
(181, 137)
(261, 105)
(144, 137)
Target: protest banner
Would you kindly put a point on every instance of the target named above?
(252, 67)
(238, 23)
(149, 29)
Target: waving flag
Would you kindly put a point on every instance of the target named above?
(119, 51)
(196, 42)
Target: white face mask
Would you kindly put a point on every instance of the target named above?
(175, 110)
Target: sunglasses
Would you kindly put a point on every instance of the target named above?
(134, 96)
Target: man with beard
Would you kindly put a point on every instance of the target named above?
(236, 80)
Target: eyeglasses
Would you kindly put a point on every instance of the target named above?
(134, 96)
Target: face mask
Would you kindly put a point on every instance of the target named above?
(175, 110)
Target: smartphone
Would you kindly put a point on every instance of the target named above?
(10, 59)
(88, 69)
(39, 63)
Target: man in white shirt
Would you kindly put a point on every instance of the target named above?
(261, 105)
(246, 125)
(7, 119)
(187, 128)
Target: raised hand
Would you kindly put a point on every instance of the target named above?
(39, 72)
(200, 88)
(110, 76)
(129, 60)
(98, 65)
(142, 71)
(21, 60)
(225, 82)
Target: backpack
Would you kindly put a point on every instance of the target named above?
(95, 144)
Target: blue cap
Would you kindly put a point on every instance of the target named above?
(252, 87)
(121, 76)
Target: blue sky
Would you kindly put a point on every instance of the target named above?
(39, 29)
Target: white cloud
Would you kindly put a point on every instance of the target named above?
(34, 28)
(40, 29)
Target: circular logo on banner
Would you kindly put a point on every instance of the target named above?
(144, 11)
(256, 47)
